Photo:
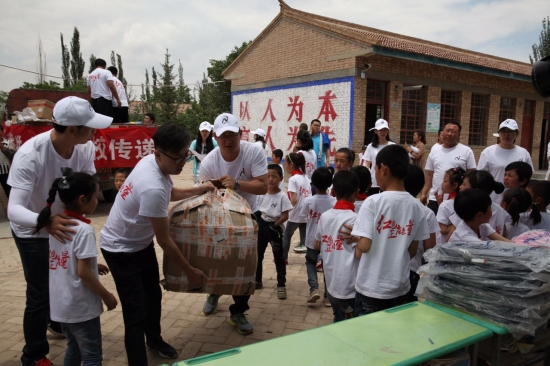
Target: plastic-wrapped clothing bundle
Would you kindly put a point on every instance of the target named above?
(506, 283)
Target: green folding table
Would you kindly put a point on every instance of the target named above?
(405, 335)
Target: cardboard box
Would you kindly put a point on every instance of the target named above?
(217, 233)
(42, 107)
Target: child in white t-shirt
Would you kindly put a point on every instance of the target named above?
(389, 226)
(365, 182)
(274, 208)
(340, 259)
(276, 157)
(299, 188)
(120, 177)
(516, 201)
(75, 290)
(474, 208)
(452, 180)
(315, 206)
(413, 183)
(362, 156)
(304, 146)
(540, 192)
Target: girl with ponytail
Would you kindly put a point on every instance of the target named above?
(516, 201)
(75, 290)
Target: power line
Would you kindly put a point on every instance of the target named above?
(137, 85)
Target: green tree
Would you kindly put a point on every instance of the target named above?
(3, 100)
(166, 94)
(77, 62)
(65, 64)
(543, 48)
(184, 93)
(120, 70)
(92, 64)
(113, 61)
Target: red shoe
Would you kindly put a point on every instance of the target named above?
(319, 266)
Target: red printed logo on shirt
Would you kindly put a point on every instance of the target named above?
(57, 260)
(332, 244)
(314, 215)
(498, 229)
(126, 190)
(304, 192)
(394, 228)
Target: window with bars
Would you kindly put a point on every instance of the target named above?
(479, 112)
(412, 112)
(507, 109)
(376, 92)
(450, 107)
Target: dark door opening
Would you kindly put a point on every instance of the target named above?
(374, 112)
(528, 124)
(544, 137)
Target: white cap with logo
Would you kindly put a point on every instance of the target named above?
(509, 124)
(205, 126)
(226, 122)
(380, 125)
(259, 132)
(74, 111)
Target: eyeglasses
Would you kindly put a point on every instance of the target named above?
(177, 160)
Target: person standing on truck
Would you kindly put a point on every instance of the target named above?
(36, 165)
(120, 111)
(101, 89)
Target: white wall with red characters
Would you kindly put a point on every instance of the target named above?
(280, 110)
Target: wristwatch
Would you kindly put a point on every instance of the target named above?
(237, 185)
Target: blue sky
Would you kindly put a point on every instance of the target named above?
(196, 31)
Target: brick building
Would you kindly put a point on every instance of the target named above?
(304, 66)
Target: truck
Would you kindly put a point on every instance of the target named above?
(121, 145)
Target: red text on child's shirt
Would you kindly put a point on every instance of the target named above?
(332, 244)
(394, 228)
(498, 229)
(57, 260)
(304, 192)
(126, 190)
(314, 215)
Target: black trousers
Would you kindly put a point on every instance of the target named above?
(103, 106)
(5, 185)
(136, 277)
(120, 115)
(432, 205)
(267, 235)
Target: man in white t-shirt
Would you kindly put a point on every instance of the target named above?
(241, 166)
(140, 212)
(495, 158)
(101, 89)
(120, 111)
(35, 166)
(451, 154)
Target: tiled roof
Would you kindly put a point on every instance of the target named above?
(375, 37)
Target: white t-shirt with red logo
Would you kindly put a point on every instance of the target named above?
(442, 159)
(494, 159)
(272, 206)
(464, 233)
(121, 93)
(444, 213)
(315, 206)
(145, 194)
(97, 81)
(299, 184)
(433, 228)
(498, 219)
(71, 301)
(311, 161)
(392, 220)
(339, 261)
(370, 155)
(249, 164)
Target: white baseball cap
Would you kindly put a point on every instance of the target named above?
(205, 126)
(74, 111)
(509, 124)
(259, 132)
(226, 122)
(380, 125)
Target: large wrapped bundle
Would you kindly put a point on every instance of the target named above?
(217, 233)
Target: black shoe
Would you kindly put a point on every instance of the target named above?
(55, 329)
(164, 349)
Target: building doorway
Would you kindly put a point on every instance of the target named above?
(527, 125)
(376, 106)
(544, 137)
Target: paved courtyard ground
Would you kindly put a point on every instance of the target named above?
(183, 324)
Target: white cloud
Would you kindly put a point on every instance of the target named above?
(196, 31)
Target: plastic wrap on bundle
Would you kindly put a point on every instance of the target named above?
(508, 283)
(494, 254)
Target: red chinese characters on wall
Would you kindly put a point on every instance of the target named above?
(243, 111)
(269, 110)
(297, 107)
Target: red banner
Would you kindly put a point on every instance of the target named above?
(120, 147)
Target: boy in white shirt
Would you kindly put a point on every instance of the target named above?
(274, 207)
(340, 259)
(276, 157)
(365, 181)
(389, 226)
(314, 207)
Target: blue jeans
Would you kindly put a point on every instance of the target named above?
(83, 343)
(290, 229)
(367, 305)
(312, 257)
(35, 254)
(342, 308)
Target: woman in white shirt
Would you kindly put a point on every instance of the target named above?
(380, 140)
(259, 139)
(304, 146)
